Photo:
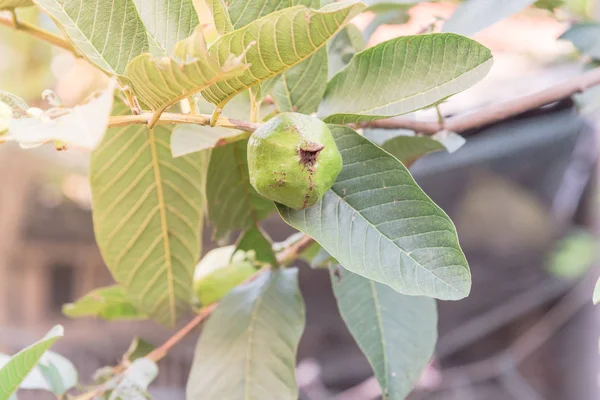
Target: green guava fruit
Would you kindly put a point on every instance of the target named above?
(220, 271)
(293, 160)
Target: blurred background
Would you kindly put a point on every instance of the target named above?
(522, 194)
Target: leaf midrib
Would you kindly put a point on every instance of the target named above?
(381, 331)
(163, 224)
(253, 319)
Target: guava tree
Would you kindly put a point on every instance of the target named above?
(230, 116)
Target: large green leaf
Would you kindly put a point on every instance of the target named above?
(277, 42)
(160, 82)
(473, 15)
(247, 349)
(108, 34)
(232, 202)
(147, 210)
(21, 364)
(301, 88)
(109, 303)
(585, 36)
(10, 4)
(378, 223)
(403, 75)
(396, 332)
(167, 22)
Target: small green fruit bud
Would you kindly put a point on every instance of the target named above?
(219, 272)
(293, 160)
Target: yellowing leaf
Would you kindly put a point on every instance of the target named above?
(160, 82)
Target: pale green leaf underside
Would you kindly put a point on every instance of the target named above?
(108, 34)
(9, 4)
(19, 366)
(342, 48)
(147, 210)
(474, 15)
(160, 82)
(109, 303)
(403, 75)
(247, 349)
(585, 37)
(301, 88)
(281, 40)
(378, 223)
(167, 22)
(397, 333)
(232, 203)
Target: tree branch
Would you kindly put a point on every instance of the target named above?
(158, 353)
(198, 119)
(497, 112)
(36, 32)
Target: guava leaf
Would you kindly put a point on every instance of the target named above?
(257, 240)
(378, 223)
(474, 15)
(21, 364)
(280, 40)
(161, 82)
(10, 4)
(148, 209)
(342, 48)
(232, 202)
(108, 34)
(168, 22)
(109, 303)
(397, 333)
(247, 349)
(584, 36)
(403, 75)
(220, 14)
(301, 88)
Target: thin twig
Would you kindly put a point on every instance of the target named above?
(169, 118)
(497, 112)
(37, 33)
(158, 353)
(289, 255)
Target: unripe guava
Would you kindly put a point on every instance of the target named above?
(293, 160)
(220, 271)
